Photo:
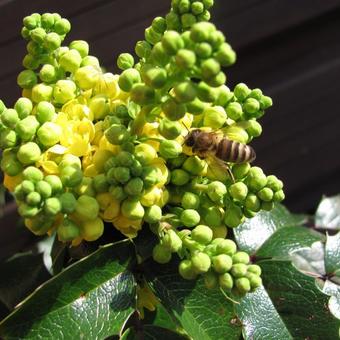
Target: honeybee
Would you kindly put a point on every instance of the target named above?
(218, 147)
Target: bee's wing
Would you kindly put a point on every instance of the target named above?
(218, 169)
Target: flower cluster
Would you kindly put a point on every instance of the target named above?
(83, 147)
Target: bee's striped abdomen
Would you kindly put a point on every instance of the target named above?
(234, 152)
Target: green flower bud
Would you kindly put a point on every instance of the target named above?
(267, 206)
(234, 110)
(70, 160)
(226, 281)
(243, 285)
(225, 55)
(223, 246)
(203, 50)
(85, 187)
(206, 93)
(224, 96)
(256, 179)
(152, 36)
(19, 193)
(143, 49)
(68, 202)
(188, 20)
(222, 263)
(47, 20)
(100, 183)
(117, 193)
(205, 16)
(279, 196)
(145, 153)
(25, 33)
(241, 257)
(54, 182)
(26, 128)
(195, 107)
(86, 77)
(38, 35)
(33, 174)
(132, 208)
(27, 186)
(9, 118)
(44, 189)
(241, 91)
(142, 94)
(200, 32)
(200, 262)
(52, 41)
(190, 218)
(62, 26)
(159, 56)
(23, 107)
(87, 208)
(90, 61)
(134, 186)
(265, 194)
(185, 59)
(45, 112)
(29, 153)
(194, 165)
(233, 216)
(31, 21)
(210, 280)
(71, 176)
(27, 211)
(27, 79)
(252, 203)
(190, 201)
(239, 270)
(155, 77)
(30, 62)
(274, 183)
(153, 214)
(179, 177)
(186, 270)
(254, 128)
(33, 199)
(210, 68)
(8, 139)
(255, 281)
(10, 164)
(183, 6)
(240, 170)
(173, 110)
(202, 234)
(251, 105)
(136, 168)
(238, 191)
(128, 78)
(214, 117)
(64, 91)
(216, 191)
(52, 206)
(2, 106)
(49, 134)
(169, 129)
(161, 254)
(68, 231)
(151, 175)
(170, 149)
(172, 241)
(41, 92)
(255, 269)
(81, 46)
(266, 102)
(117, 134)
(159, 24)
(218, 80)
(172, 42)
(197, 8)
(212, 216)
(173, 21)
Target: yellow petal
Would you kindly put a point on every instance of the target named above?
(10, 182)
(50, 167)
(90, 171)
(112, 211)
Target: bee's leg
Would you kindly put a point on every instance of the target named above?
(230, 173)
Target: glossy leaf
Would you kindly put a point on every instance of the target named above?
(93, 297)
(332, 254)
(160, 317)
(327, 215)
(255, 231)
(204, 314)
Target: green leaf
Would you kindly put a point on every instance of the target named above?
(204, 314)
(301, 304)
(160, 317)
(287, 240)
(21, 274)
(332, 254)
(327, 215)
(260, 319)
(91, 298)
(151, 332)
(251, 234)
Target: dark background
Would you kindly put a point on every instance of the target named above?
(288, 48)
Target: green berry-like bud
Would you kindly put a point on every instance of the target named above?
(206, 93)
(216, 191)
(71, 176)
(27, 186)
(23, 107)
(153, 214)
(52, 41)
(151, 175)
(203, 50)
(225, 55)
(159, 24)
(145, 153)
(87, 208)
(143, 49)
(210, 280)
(256, 179)
(214, 117)
(190, 201)
(10, 165)
(47, 20)
(194, 165)
(274, 183)
(238, 191)
(30, 62)
(240, 170)
(173, 110)
(239, 270)
(179, 177)
(186, 270)
(185, 59)
(190, 218)
(54, 182)
(64, 91)
(31, 21)
(81, 46)
(2, 106)
(195, 107)
(29, 153)
(172, 241)
(26, 128)
(117, 134)
(62, 26)
(265, 194)
(227, 247)
(243, 285)
(252, 203)
(152, 36)
(161, 254)
(68, 231)
(8, 138)
(169, 129)
(233, 216)
(128, 78)
(241, 91)
(118, 193)
(241, 257)
(267, 206)
(68, 202)
(27, 79)
(279, 196)
(33, 199)
(200, 262)
(33, 174)
(134, 186)
(210, 68)
(200, 32)
(86, 78)
(254, 128)
(121, 174)
(155, 77)
(44, 189)
(27, 211)
(255, 281)
(49, 134)
(266, 102)
(172, 42)
(251, 105)
(234, 110)
(10, 118)
(142, 94)
(202, 234)
(45, 112)
(170, 149)
(38, 35)
(185, 91)
(226, 281)
(132, 208)
(222, 263)
(52, 206)
(212, 216)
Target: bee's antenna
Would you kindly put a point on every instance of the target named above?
(186, 127)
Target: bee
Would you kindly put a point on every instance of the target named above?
(218, 147)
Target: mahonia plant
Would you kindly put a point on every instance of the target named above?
(83, 146)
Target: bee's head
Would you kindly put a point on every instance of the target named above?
(191, 138)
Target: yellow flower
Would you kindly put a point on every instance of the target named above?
(126, 226)
(10, 182)
(146, 299)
